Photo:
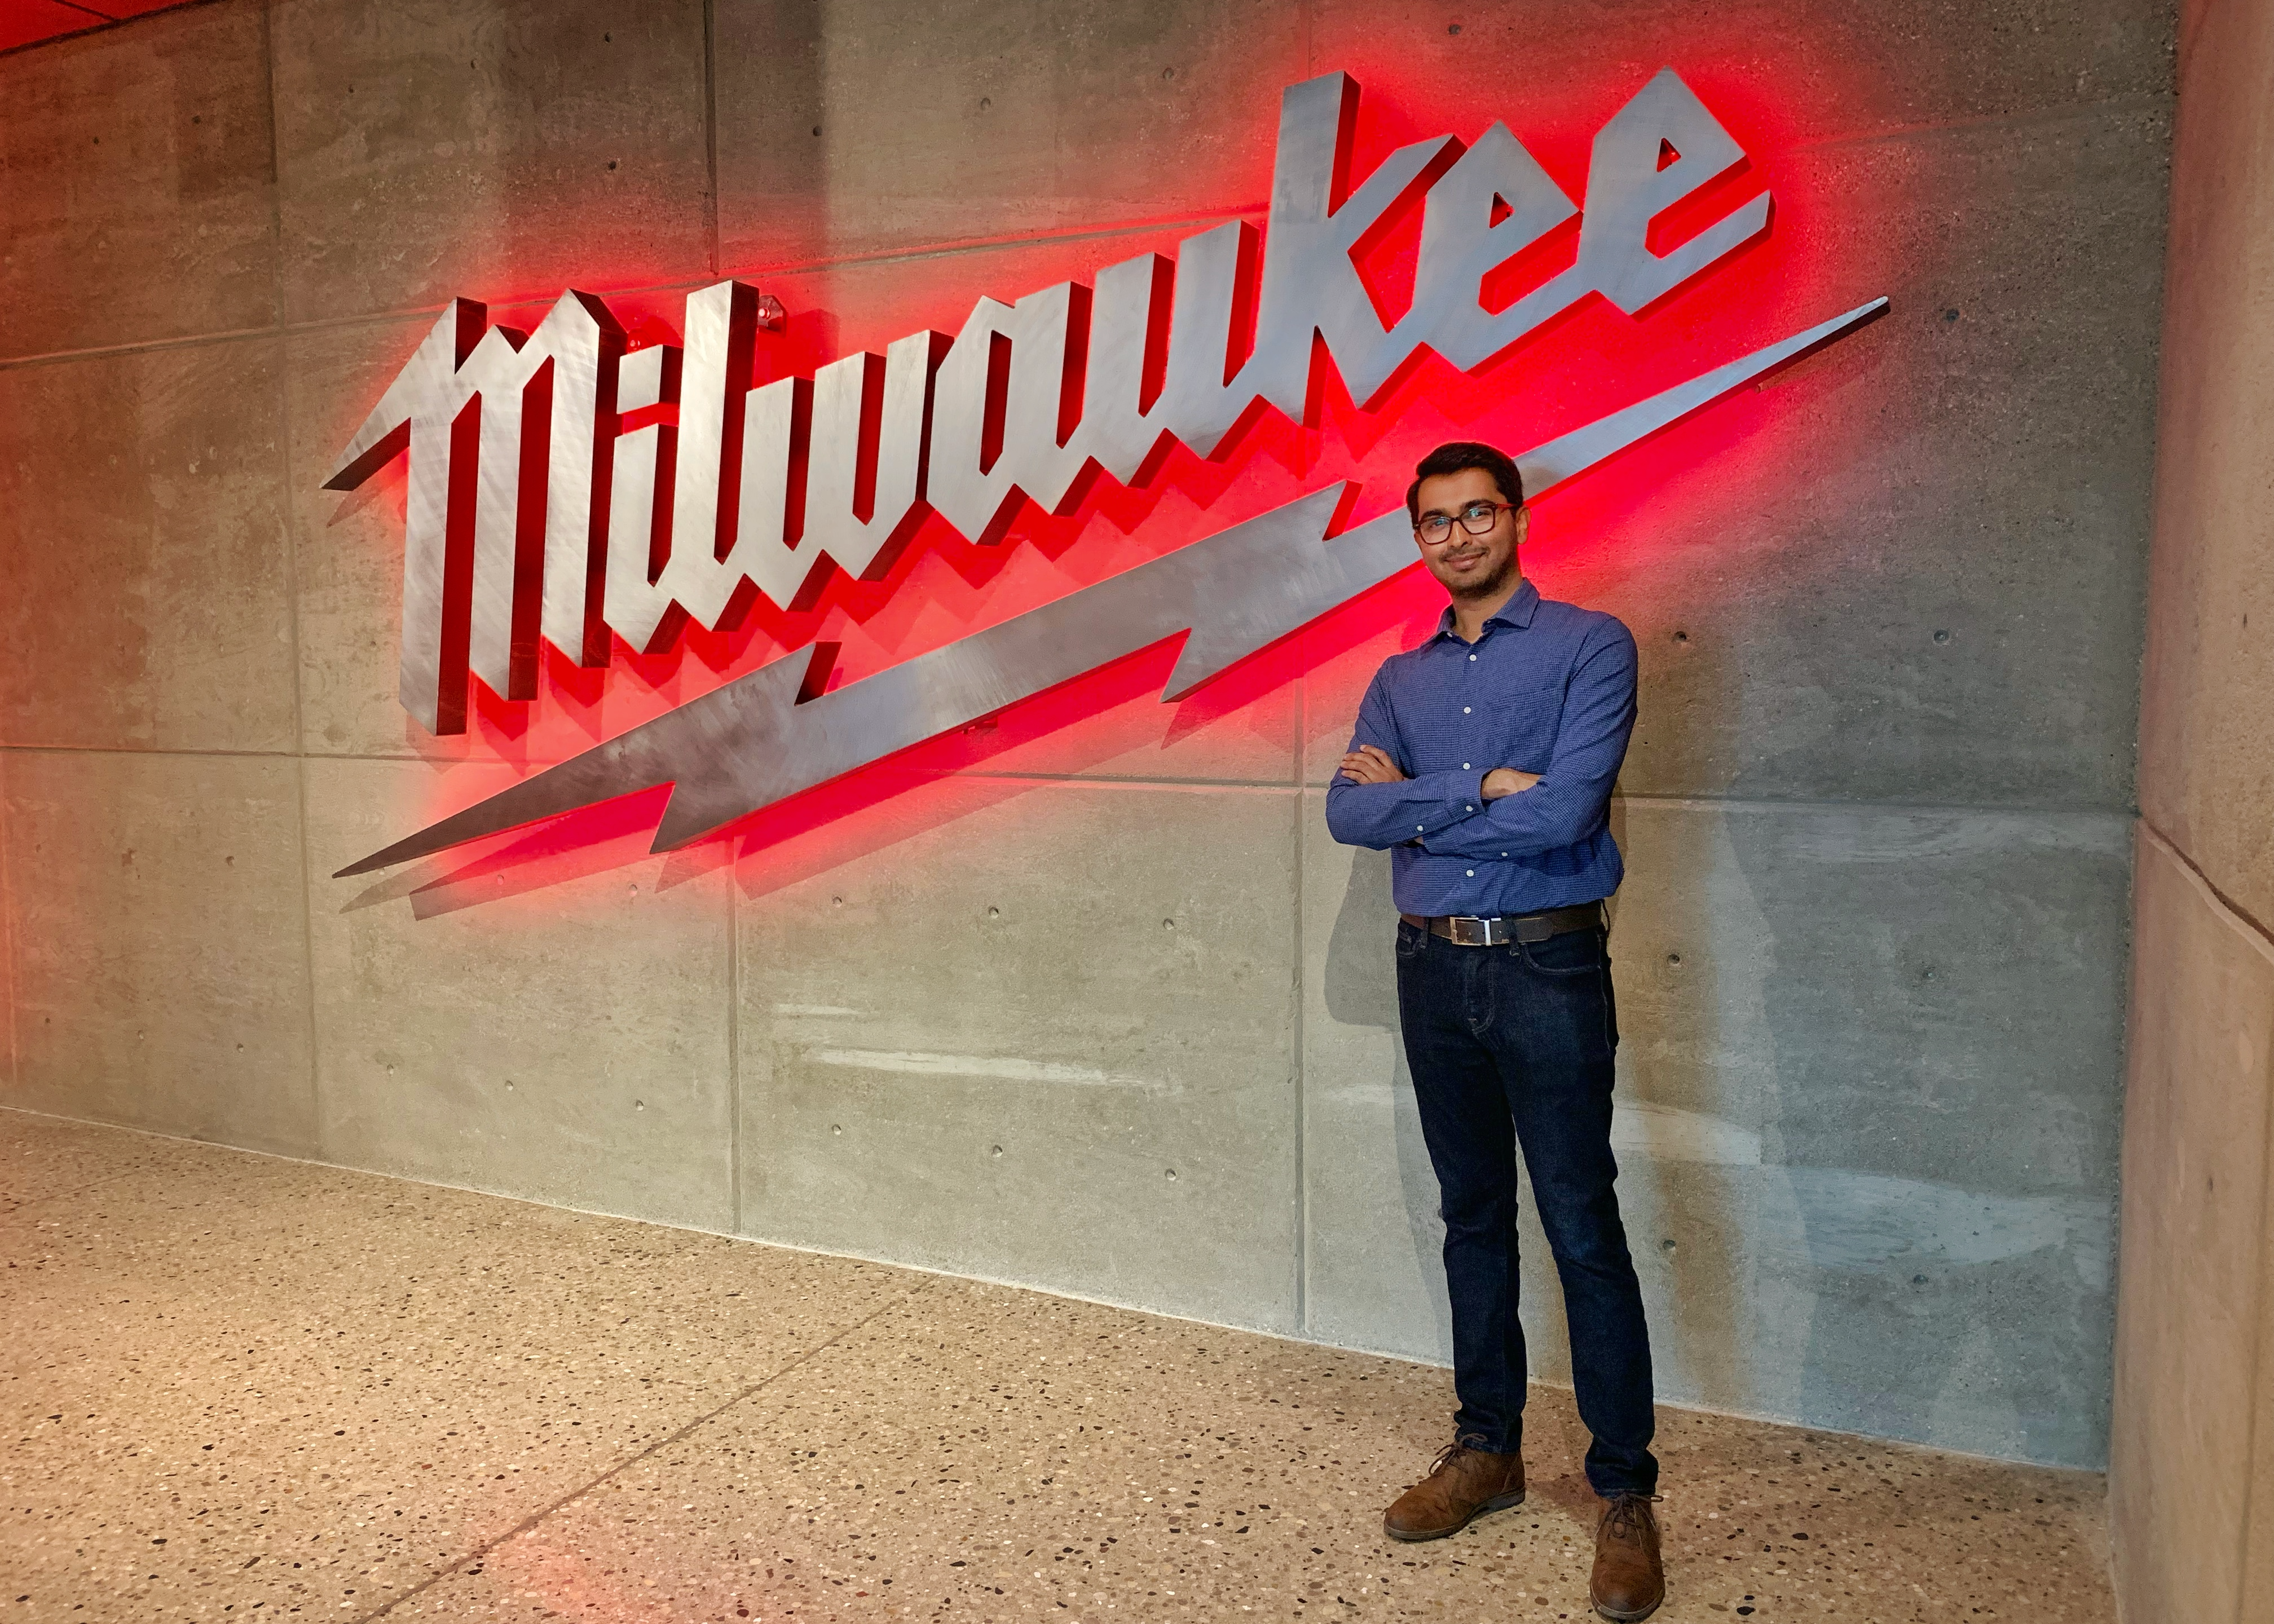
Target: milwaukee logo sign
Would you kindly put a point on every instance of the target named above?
(549, 499)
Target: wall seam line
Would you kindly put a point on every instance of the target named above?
(710, 132)
(14, 1075)
(734, 1047)
(2057, 113)
(406, 315)
(291, 569)
(1678, 803)
(1301, 1070)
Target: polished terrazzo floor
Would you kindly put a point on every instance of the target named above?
(237, 1386)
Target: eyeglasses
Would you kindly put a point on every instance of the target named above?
(1477, 518)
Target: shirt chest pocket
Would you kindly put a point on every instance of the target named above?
(1507, 728)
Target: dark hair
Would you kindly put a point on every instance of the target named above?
(1456, 455)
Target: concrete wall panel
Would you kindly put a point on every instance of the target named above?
(493, 149)
(141, 184)
(162, 972)
(2189, 1345)
(2206, 741)
(1822, 1236)
(550, 1024)
(853, 127)
(1082, 1086)
(145, 597)
(1833, 70)
(1871, 579)
(2191, 1474)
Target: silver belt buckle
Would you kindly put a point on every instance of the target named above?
(1473, 932)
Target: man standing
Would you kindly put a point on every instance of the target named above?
(1484, 760)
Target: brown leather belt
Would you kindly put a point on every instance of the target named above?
(1466, 931)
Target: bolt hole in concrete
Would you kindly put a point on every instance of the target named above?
(994, 913)
(994, 1150)
(1674, 959)
(1682, 637)
(836, 1127)
(1453, 28)
(639, 1105)
(1942, 637)
(1172, 1174)
(1168, 73)
(1665, 1246)
(836, 902)
(985, 102)
(1168, 924)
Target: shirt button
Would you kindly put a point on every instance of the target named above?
(1465, 710)
(1472, 657)
(1472, 873)
(1418, 829)
(1466, 768)
(1472, 809)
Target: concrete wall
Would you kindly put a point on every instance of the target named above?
(2192, 1466)
(1101, 1008)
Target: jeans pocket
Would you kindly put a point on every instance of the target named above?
(1574, 953)
(1410, 940)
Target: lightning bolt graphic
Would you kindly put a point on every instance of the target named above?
(770, 735)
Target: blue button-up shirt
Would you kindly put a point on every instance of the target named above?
(1546, 687)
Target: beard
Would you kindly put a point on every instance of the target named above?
(1485, 586)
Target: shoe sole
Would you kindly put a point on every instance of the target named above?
(1497, 1503)
(1625, 1618)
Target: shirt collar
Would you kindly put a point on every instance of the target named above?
(1516, 612)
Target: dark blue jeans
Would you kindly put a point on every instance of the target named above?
(1508, 1047)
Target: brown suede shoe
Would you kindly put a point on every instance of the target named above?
(1629, 1581)
(1462, 1485)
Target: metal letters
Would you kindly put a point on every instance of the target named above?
(755, 741)
(531, 515)
(566, 487)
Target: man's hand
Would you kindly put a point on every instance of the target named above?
(1508, 781)
(1369, 765)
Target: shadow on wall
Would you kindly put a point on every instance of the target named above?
(1693, 1306)
(1936, 1117)
(1361, 990)
(1863, 1119)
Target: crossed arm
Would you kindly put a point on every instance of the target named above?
(1505, 812)
(1370, 764)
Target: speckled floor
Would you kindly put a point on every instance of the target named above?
(239, 1387)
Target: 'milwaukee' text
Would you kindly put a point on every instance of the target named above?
(531, 515)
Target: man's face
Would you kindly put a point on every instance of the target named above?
(1470, 565)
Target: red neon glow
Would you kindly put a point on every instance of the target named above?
(1279, 718)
